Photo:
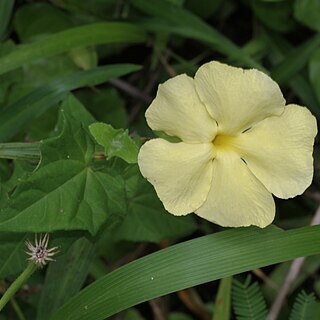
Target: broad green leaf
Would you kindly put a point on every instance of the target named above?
(190, 26)
(70, 270)
(308, 13)
(66, 192)
(116, 142)
(49, 20)
(92, 34)
(19, 114)
(189, 264)
(6, 7)
(222, 305)
(147, 220)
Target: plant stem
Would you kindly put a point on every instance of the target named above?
(17, 309)
(17, 284)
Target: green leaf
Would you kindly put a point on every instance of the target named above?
(19, 114)
(147, 220)
(222, 305)
(6, 7)
(190, 26)
(304, 307)
(71, 270)
(308, 13)
(92, 34)
(66, 192)
(116, 142)
(189, 264)
(247, 300)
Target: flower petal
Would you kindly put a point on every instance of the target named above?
(178, 111)
(278, 150)
(236, 198)
(181, 173)
(237, 98)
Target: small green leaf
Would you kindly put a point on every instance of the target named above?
(116, 142)
(304, 307)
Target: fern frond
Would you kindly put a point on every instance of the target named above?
(303, 307)
(248, 302)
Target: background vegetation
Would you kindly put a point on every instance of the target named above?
(67, 64)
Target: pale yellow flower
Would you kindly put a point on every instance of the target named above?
(240, 144)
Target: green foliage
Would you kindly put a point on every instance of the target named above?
(71, 269)
(304, 307)
(70, 137)
(66, 192)
(32, 105)
(108, 32)
(147, 220)
(116, 142)
(188, 264)
(248, 302)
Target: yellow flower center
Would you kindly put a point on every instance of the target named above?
(223, 142)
